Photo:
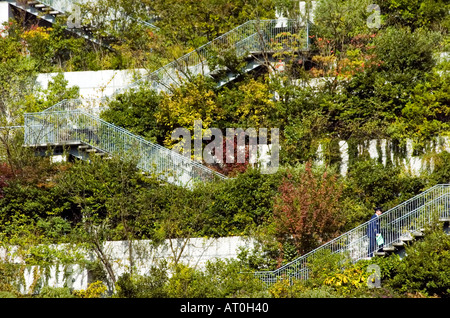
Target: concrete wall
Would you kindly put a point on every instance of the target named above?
(384, 151)
(195, 252)
(5, 13)
(95, 84)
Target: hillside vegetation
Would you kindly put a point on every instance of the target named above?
(389, 82)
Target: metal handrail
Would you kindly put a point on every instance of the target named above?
(254, 35)
(242, 40)
(63, 127)
(396, 224)
(250, 36)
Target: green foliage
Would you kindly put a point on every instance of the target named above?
(425, 269)
(135, 111)
(416, 13)
(55, 92)
(340, 20)
(407, 56)
(152, 285)
(241, 204)
(55, 292)
(377, 185)
(9, 277)
(425, 114)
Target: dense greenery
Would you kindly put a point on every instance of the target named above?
(383, 83)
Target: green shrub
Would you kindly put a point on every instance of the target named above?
(6, 294)
(152, 285)
(55, 292)
(426, 267)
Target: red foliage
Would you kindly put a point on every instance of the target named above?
(230, 165)
(5, 175)
(306, 211)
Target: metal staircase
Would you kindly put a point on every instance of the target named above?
(398, 225)
(246, 41)
(49, 10)
(75, 124)
(81, 133)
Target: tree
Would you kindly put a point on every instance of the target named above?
(135, 111)
(105, 193)
(195, 100)
(432, 14)
(306, 211)
(340, 20)
(17, 76)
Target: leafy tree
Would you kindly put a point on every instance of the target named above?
(195, 100)
(340, 20)
(17, 75)
(416, 13)
(306, 210)
(407, 56)
(135, 111)
(425, 114)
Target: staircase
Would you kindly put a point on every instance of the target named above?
(49, 10)
(82, 133)
(249, 41)
(398, 225)
(72, 124)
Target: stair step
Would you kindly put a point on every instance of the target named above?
(444, 219)
(83, 147)
(417, 234)
(389, 248)
(398, 244)
(380, 253)
(33, 2)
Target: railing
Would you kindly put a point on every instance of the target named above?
(93, 106)
(77, 120)
(77, 126)
(396, 224)
(252, 36)
(59, 5)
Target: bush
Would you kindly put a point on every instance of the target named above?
(143, 286)
(95, 290)
(425, 269)
(55, 292)
(6, 294)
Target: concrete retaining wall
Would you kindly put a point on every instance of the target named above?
(195, 252)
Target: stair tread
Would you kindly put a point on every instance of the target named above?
(380, 253)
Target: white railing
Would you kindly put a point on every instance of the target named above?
(250, 37)
(396, 225)
(77, 120)
(79, 127)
